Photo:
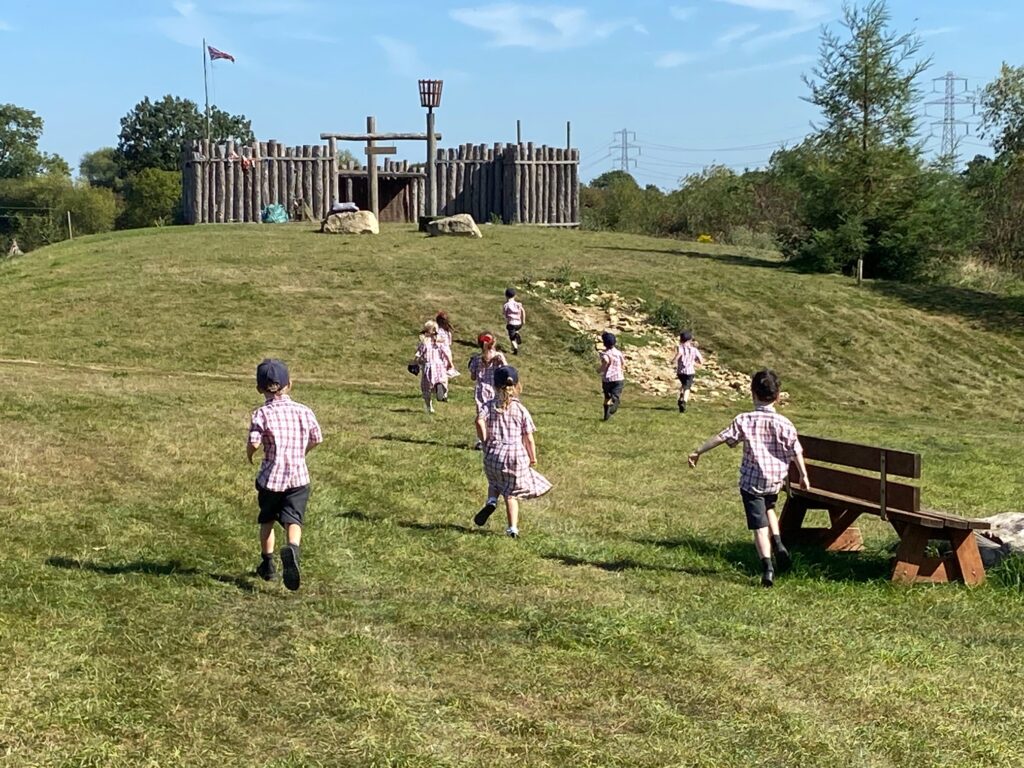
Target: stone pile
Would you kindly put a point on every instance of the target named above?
(649, 365)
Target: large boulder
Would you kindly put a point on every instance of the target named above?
(1005, 537)
(459, 225)
(351, 223)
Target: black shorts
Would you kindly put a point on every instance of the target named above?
(513, 332)
(686, 379)
(756, 506)
(613, 389)
(285, 507)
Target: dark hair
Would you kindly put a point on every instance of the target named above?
(510, 292)
(608, 339)
(765, 386)
(686, 336)
(443, 321)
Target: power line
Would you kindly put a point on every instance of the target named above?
(624, 147)
(952, 97)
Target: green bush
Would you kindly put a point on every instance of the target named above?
(152, 199)
(39, 207)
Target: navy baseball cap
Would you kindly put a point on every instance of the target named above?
(506, 376)
(272, 373)
(686, 336)
(608, 339)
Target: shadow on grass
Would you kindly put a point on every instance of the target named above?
(391, 395)
(466, 343)
(432, 527)
(990, 310)
(808, 562)
(723, 258)
(423, 441)
(150, 568)
(629, 564)
(355, 514)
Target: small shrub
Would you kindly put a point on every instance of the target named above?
(668, 315)
(1010, 573)
(582, 344)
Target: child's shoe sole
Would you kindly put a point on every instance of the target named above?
(484, 514)
(292, 577)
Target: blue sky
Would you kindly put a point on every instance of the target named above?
(699, 81)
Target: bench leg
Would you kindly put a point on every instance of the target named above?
(840, 536)
(910, 554)
(843, 536)
(967, 557)
(791, 519)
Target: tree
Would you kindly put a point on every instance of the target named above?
(1002, 110)
(20, 157)
(152, 198)
(99, 168)
(152, 133)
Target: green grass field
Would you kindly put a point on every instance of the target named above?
(624, 628)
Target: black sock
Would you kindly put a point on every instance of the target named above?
(268, 556)
(777, 544)
(766, 562)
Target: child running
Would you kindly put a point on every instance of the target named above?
(481, 370)
(287, 431)
(506, 429)
(434, 363)
(612, 375)
(445, 333)
(687, 358)
(770, 445)
(515, 319)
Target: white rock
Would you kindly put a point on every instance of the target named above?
(459, 225)
(351, 223)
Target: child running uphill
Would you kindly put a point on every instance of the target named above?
(612, 375)
(506, 429)
(433, 363)
(481, 370)
(287, 431)
(770, 445)
(687, 358)
(515, 319)
(445, 333)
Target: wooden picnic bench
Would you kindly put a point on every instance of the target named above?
(847, 495)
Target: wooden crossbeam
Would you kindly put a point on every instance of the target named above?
(381, 150)
(379, 136)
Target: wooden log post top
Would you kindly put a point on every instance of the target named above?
(374, 136)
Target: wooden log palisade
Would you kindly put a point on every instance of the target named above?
(519, 183)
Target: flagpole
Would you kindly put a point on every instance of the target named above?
(206, 88)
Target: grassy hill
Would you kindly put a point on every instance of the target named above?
(623, 628)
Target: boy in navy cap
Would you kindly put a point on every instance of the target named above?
(612, 374)
(287, 431)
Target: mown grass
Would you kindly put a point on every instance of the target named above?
(623, 629)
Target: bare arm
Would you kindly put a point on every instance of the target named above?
(805, 481)
(531, 447)
(712, 442)
(250, 451)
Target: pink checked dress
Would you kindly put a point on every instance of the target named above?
(483, 374)
(506, 463)
(444, 341)
(433, 365)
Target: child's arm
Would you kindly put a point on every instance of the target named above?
(250, 451)
(712, 442)
(805, 481)
(675, 358)
(531, 447)
(522, 315)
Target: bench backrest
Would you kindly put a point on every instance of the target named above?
(875, 489)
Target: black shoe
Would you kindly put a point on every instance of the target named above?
(783, 560)
(682, 406)
(265, 570)
(607, 413)
(768, 577)
(290, 561)
(484, 514)
(515, 350)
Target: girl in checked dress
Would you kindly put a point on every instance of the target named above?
(482, 368)
(506, 429)
(445, 332)
(434, 364)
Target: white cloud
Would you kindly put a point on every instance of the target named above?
(541, 27)
(937, 31)
(402, 56)
(673, 59)
(764, 67)
(804, 9)
(761, 41)
(730, 36)
(682, 12)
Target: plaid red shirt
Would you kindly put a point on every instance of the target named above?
(689, 356)
(513, 311)
(285, 429)
(770, 443)
(612, 364)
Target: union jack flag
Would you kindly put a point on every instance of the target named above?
(216, 54)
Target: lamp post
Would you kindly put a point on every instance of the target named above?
(430, 97)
